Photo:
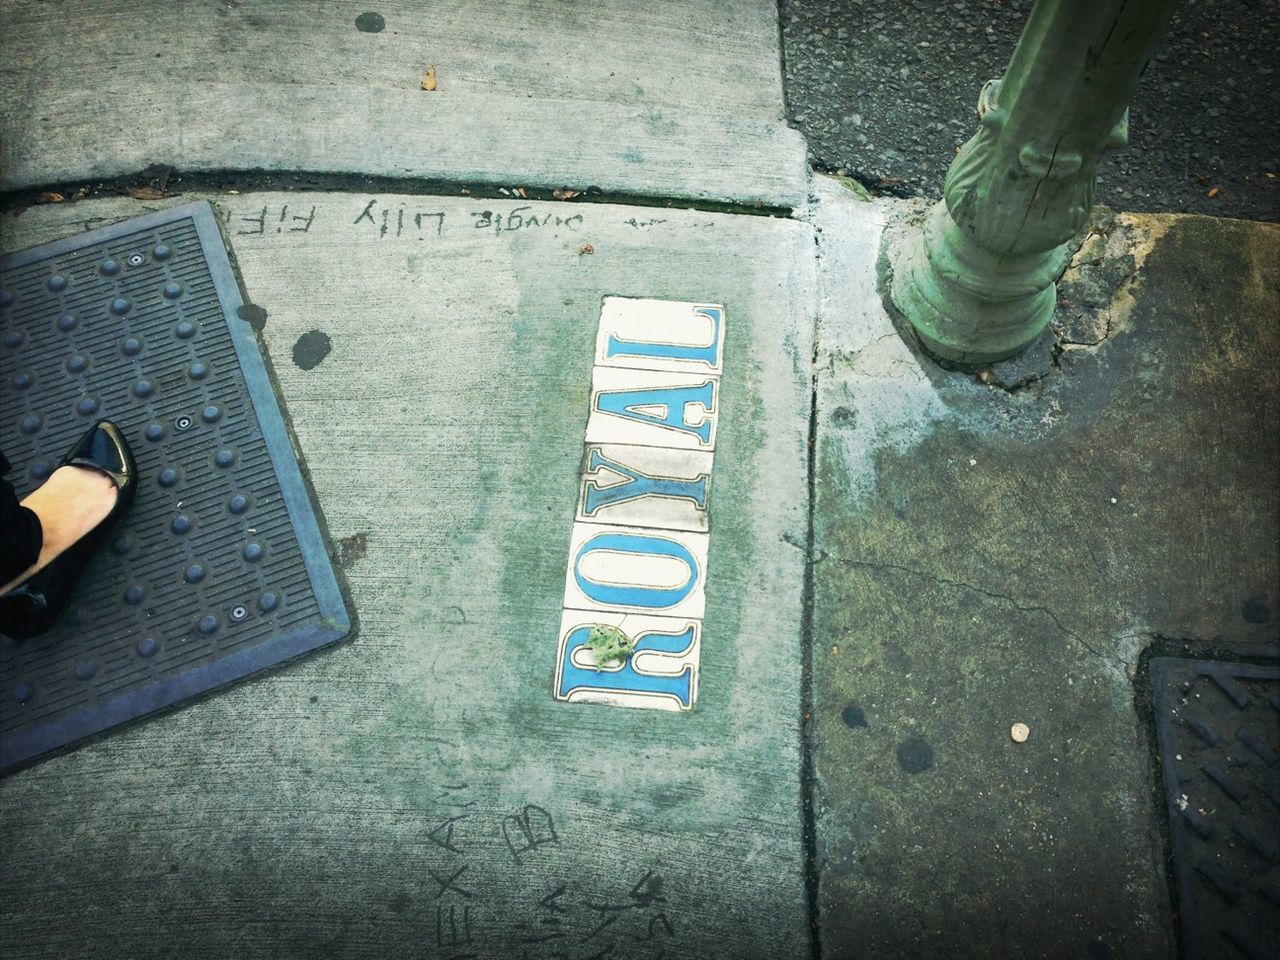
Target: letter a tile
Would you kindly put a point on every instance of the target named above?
(653, 409)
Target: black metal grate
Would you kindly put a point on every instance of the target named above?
(219, 569)
(1219, 735)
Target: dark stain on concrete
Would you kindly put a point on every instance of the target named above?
(351, 549)
(370, 22)
(915, 755)
(253, 314)
(1255, 610)
(311, 348)
(400, 903)
(853, 717)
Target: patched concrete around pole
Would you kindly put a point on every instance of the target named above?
(418, 789)
(986, 557)
(671, 99)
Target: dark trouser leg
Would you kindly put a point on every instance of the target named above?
(20, 534)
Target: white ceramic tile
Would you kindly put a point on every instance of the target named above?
(661, 675)
(672, 335)
(645, 487)
(653, 409)
(636, 570)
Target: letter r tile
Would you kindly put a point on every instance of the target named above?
(662, 673)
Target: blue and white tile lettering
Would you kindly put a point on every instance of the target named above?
(653, 409)
(662, 674)
(638, 548)
(660, 335)
(636, 570)
(645, 487)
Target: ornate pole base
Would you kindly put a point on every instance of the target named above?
(978, 284)
(969, 305)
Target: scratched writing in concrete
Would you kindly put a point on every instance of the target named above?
(522, 218)
(638, 924)
(401, 219)
(395, 221)
(267, 220)
(468, 917)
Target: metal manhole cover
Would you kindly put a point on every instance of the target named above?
(219, 569)
(1219, 735)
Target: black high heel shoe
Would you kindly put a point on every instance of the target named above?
(34, 606)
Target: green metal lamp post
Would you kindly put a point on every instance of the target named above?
(977, 282)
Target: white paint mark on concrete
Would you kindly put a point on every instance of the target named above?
(872, 391)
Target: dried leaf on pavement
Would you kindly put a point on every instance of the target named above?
(564, 193)
(50, 198)
(1215, 191)
(147, 193)
(429, 78)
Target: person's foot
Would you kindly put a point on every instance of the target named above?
(71, 503)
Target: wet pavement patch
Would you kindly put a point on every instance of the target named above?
(254, 315)
(853, 717)
(915, 755)
(370, 22)
(219, 569)
(1218, 726)
(311, 349)
(1255, 610)
(351, 549)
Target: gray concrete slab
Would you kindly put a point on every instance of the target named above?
(985, 557)
(399, 794)
(668, 99)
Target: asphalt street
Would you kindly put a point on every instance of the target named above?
(885, 90)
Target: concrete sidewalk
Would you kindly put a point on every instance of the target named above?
(903, 561)
(442, 427)
(1009, 548)
(668, 99)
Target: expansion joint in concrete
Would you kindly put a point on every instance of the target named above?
(162, 181)
(808, 777)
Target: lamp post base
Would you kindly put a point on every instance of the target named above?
(968, 305)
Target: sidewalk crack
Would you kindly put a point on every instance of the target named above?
(994, 595)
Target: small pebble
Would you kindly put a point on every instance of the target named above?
(1019, 732)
